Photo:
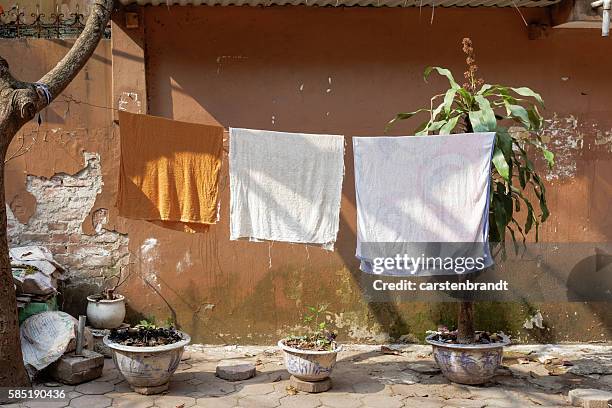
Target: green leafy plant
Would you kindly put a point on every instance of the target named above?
(147, 324)
(169, 322)
(313, 318)
(480, 107)
(319, 336)
(477, 106)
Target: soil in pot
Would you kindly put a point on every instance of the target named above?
(481, 337)
(145, 337)
(314, 342)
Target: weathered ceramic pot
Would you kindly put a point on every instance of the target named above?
(467, 363)
(309, 365)
(104, 313)
(148, 369)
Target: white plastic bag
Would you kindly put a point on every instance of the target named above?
(45, 337)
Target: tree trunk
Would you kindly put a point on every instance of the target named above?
(19, 103)
(12, 371)
(465, 323)
(465, 318)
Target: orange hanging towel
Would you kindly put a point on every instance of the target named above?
(169, 171)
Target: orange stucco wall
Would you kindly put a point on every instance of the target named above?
(348, 71)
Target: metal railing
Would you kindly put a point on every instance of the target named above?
(13, 24)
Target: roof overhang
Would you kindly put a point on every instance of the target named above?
(350, 3)
(564, 13)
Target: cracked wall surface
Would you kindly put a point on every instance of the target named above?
(63, 203)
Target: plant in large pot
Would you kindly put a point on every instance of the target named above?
(147, 355)
(106, 310)
(464, 355)
(312, 356)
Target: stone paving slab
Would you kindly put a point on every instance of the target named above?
(533, 376)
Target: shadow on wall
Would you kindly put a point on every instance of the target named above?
(590, 281)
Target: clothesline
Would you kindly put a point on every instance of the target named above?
(287, 187)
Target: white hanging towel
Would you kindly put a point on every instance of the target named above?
(285, 186)
(422, 196)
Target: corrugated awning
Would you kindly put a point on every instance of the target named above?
(350, 3)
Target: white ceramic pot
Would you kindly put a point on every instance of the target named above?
(309, 365)
(148, 369)
(106, 314)
(467, 363)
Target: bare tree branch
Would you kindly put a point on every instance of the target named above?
(25, 99)
(64, 72)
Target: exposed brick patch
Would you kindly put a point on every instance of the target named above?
(63, 202)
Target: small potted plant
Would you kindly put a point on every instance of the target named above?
(312, 356)
(147, 355)
(465, 355)
(106, 310)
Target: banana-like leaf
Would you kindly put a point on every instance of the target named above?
(544, 209)
(434, 114)
(519, 113)
(524, 91)
(437, 125)
(506, 199)
(518, 227)
(499, 213)
(487, 112)
(483, 102)
(530, 212)
(468, 99)
(403, 116)
(500, 163)
(504, 141)
(522, 176)
(448, 127)
(534, 118)
(485, 89)
(449, 97)
(444, 72)
(513, 238)
(483, 121)
(529, 220)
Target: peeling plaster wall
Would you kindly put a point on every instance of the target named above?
(60, 170)
(63, 203)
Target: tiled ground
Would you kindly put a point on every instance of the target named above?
(533, 376)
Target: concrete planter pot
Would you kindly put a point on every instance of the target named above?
(148, 369)
(104, 313)
(309, 365)
(467, 363)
